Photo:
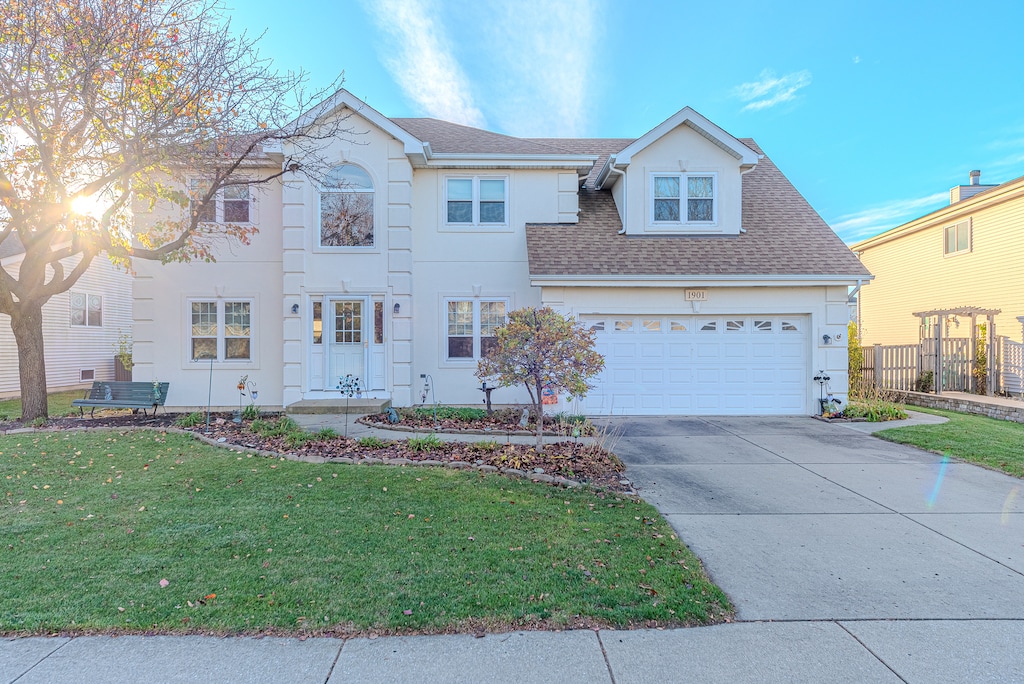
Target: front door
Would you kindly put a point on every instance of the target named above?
(347, 341)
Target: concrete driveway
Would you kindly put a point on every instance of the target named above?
(920, 559)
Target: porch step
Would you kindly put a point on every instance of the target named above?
(337, 406)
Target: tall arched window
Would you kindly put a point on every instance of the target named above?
(346, 208)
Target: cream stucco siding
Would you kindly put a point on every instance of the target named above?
(913, 274)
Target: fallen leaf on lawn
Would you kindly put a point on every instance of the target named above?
(210, 596)
(407, 612)
(164, 583)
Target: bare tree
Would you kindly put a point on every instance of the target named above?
(104, 106)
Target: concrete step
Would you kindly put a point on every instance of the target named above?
(338, 406)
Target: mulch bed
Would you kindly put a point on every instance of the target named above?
(580, 461)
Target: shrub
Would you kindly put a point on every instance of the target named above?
(371, 442)
(281, 427)
(250, 412)
(925, 382)
(428, 443)
(325, 434)
(875, 409)
(191, 419)
(451, 413)
(856, 359)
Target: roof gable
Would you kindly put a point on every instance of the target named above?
(688, 117)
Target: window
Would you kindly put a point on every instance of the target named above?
(709, 326)
(957, 238)
(220, 330)
(734, 326)
(231, 204)
(677, 326)
(624, 326)
(476, 201)
(669, 191)
(318, 323)
(763, 326)
(472, 326)
(651, 325)
(86, 309)
(346, 208)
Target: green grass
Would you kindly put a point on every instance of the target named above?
(94, 521)
(992, 443)
(58, 404)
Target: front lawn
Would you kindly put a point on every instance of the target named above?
(997, 444)
(97, 523)
(58, 404)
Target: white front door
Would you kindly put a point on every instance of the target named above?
(347, 341)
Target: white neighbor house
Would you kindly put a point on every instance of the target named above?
(710, 281)
(80, 326)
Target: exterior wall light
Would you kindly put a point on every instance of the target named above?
(396, 309)
(295, 308)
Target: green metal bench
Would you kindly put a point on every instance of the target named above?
(134, 395)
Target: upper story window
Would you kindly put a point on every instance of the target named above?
(476, 201)
(231, 204)
(346, 208)
(86, 309)
(683, 198)
(957, 238)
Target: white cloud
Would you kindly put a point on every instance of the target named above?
(422, 62)
(771, 90)
(544, 52)
(863, 224)
(856, 59)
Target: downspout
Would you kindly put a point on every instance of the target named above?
(625, 214)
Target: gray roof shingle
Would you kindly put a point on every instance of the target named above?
(784, 236)
(446, 137)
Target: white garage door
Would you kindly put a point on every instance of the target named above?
(700, 365)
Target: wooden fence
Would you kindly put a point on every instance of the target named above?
(910, 367)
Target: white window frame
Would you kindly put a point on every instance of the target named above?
(683, 213)
(221, 333)
(71, 310)
(322, 190)
(476, 301)
(476, 223)
(969, 227)
(219, 202)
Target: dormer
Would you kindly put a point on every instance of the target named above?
(684, 177)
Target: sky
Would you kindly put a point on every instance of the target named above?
(874, 110)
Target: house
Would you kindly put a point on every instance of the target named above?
(966, 256)
(80, 327)
(713, 287)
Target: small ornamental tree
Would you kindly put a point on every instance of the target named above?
(543, 350)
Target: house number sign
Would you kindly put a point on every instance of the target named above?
(695, 295)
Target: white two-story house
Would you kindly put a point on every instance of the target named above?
(712, 285)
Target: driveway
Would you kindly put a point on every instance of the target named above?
(801, 520)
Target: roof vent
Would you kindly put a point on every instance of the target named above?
(976, 177)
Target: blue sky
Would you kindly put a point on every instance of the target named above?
(873, 109)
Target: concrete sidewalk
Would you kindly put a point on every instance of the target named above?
(803, 651)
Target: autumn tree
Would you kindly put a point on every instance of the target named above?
(542, 350)
(105, 106)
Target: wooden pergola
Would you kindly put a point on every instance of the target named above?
(973, 313)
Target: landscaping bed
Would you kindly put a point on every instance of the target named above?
(475, 420)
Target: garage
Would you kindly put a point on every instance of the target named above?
(700, 365)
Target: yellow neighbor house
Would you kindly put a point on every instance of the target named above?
(968, 255)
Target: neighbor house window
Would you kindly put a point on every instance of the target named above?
(476, 201)
(220, 330)
(472, 326)
(231, 204)
(86, 309)
(683, 198)
(346, 208)
(958, 238)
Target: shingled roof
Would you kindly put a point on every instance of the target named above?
(446, 137)
(784, 236)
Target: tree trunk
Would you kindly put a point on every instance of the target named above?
(27, 325)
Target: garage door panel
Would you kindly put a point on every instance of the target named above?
(652, 376)
(730, 365)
